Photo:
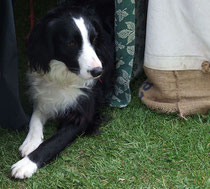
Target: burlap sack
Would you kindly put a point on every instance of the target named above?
(186, 92)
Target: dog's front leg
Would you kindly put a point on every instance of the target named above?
(35, 134)
(47, 150)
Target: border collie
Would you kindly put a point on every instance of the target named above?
(72, 63)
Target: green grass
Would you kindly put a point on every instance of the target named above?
(138, 148)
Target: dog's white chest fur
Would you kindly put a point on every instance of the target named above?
(56, 90)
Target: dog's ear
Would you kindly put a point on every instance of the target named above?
(41, 47)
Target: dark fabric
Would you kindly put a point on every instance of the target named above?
(12, 115)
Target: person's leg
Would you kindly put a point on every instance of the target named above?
(177, 57)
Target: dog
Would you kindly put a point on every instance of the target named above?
(71, 54)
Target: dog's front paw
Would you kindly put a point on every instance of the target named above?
(29, 145)
(24, 168)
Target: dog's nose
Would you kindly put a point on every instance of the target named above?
(97, 71)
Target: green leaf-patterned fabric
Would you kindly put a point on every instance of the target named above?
(130, 27)
(125, 49)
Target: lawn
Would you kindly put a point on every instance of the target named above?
(137, 148)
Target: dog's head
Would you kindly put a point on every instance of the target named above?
(69, 36)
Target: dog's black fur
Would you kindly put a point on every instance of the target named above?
(48, 41)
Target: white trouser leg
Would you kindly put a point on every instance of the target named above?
(178, 36)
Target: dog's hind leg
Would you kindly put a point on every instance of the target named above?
(35, 134)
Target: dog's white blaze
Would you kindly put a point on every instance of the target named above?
(24, 168)
(88, 58)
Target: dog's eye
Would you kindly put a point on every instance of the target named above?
(72, 44)
(94, 40)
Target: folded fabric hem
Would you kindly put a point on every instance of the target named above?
(173, 62)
